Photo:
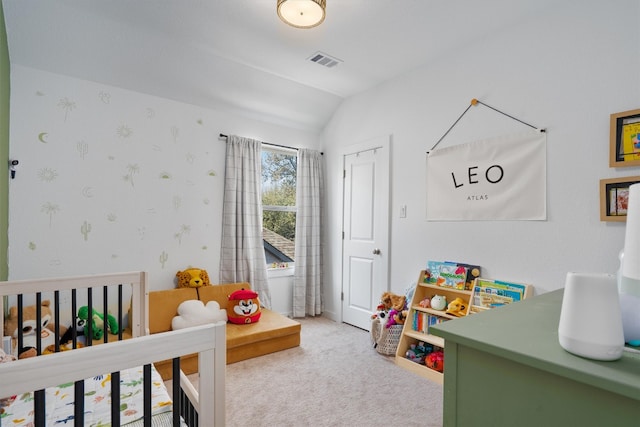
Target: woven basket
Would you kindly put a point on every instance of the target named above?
(385, 339)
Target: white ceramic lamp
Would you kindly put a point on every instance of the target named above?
(629, 280)
(590, 320)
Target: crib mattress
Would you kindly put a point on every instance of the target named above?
(97, 401)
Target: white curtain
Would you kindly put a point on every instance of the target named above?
(307, 281)
(242, 255)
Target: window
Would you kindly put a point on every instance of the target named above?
(279, 168)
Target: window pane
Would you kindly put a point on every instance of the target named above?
(279, 233)
(278, 178)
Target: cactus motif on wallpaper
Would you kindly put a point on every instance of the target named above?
(124, 131)
(47, 174)
(85, 229)
(174, 133)
(163, 258)
(131, 170)
(185, 229)
(32, 246)
(199, 121)
(104, 97)
(50, 209)
(83, 149)
(67, 106)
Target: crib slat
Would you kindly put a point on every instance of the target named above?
(78, 403)
(39, 408)
(176, 392)
(115, 398)
(146, 388)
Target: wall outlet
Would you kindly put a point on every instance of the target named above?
(403, 211)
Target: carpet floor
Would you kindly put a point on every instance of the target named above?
(335, 378)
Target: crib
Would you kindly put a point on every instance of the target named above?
(110, 381)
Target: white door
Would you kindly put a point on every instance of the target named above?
(366, 230)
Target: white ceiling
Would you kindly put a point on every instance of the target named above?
(237, 54)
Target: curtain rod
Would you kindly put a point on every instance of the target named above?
(268, 143)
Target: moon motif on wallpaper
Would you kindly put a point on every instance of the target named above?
(87, 192)
(42, 136)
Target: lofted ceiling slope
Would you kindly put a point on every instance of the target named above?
(237, 55)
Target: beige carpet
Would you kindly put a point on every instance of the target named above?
(335, 378)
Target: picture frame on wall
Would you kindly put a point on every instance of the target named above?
(624, 139)
(614, 197)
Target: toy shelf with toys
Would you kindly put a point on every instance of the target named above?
(457, 293)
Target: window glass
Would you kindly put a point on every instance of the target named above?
(279, 169)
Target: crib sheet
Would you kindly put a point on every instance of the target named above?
(97, 392)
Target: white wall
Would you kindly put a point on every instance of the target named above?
(565, 70)
(145, 173)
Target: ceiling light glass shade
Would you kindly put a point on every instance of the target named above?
(302, 13)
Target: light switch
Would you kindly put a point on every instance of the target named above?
(403, 211)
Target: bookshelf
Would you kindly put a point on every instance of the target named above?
(475, 301)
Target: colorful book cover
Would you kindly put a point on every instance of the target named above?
(493, 293)
(446, 274)
(473, 272)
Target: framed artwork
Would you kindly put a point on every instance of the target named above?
(614, 197)
(624, 139)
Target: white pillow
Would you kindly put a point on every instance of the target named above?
(193, 313)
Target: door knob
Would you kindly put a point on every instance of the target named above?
(376, 251)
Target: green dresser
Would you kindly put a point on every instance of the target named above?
(505, 367)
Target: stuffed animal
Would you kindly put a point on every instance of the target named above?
(29, 327)
(193, 278)
(401, 316)
(457, 307)
(244, 307)
(435, 360)
(425, 303)
(439, 302)
(381, 313)
(97, 323)
(391, 300)
(193, 313)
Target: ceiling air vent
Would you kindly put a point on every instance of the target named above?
(324, 59)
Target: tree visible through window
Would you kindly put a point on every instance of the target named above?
(279, 170)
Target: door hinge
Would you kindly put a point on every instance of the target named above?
(341, 296)
(344, 173)
(343, 235)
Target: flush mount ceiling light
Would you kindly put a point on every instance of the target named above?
(302, 13)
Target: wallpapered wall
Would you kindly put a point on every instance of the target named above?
(111, 180)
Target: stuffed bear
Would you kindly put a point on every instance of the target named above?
(243, 307)
(193, 278)
(391, 300)
(29, 327)
(193, 313)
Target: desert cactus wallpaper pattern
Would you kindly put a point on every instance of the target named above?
(111, 180)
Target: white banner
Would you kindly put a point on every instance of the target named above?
(501, 178)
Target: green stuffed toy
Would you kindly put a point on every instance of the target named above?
(97, 323)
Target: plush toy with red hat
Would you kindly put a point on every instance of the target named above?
(243, 307)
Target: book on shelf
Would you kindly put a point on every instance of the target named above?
(446, 274)
(495, 293)
(422, 321)
(473, 272)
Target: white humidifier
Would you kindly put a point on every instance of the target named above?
(590, 320)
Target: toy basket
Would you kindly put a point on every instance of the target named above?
(385, 340)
